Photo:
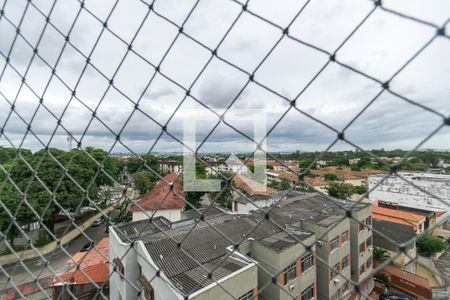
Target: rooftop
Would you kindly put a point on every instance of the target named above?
(179, 248)
(162, 196)
(396, 232)
(396, 215)
(252, 187)
(94, 265)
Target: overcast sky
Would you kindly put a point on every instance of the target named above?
(379, 48)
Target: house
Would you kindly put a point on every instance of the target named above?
(394, 234)
(86, 271)
(165, 199)
(252, 195)
(430, 216)
(416, 221)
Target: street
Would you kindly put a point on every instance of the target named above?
(56, 259)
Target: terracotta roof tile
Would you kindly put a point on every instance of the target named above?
(162, 193)
(252, 187)
(397, 214)
(93, 263)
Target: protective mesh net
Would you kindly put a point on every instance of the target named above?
(84, 58)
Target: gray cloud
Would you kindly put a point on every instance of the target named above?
(383, 44)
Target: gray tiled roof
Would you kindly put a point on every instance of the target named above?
(200, 243)
(397, 232)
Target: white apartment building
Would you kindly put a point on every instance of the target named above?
(397, 191)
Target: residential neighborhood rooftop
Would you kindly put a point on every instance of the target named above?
(398, 233)
(163, 195)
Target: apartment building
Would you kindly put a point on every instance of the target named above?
(361, 243)
(342, 243)
(164, 270)
(302, 249)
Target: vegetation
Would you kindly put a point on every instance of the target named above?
(330, 177)
(53, 179)
(280, 185)
(380, 255)
(418, 161)
(359, 189)
(194, 197)
(144, 181)
(428, 245)
(340, 190)
(382, 279)
(224, 196)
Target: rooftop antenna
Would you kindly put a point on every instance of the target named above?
(69, 141)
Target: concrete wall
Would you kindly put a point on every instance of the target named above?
(161, 285)
(122, 287)
(236, 284)
(71, 235)
(325, 287)
(245, 208)
(172, 215)
(271, 263)
(357, 259)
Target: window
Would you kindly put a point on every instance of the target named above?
(335, 272)
(119, 267)
(361, 248)
(334, 244)
(369, 263)
(290, 272)
(344, 262)
(247, 296)
(362, 269)
(308, 293)
(148, 292)
(345, 288)
(307, 262)
(369, 242)
(369, 221)
(361, 226)
(344, 236)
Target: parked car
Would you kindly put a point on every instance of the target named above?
(98, 222)
(394, 297)
(88, 246)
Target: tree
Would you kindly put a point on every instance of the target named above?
(340, 160)
(340, 190)
(111, 166)
(65, 181)
(135, 164)
(380, 255)
(359, 189)
(305, 163)
(428, 245)
(330, 177)
(224, 196)
(143, 181)
(11, 198)
(194, 197)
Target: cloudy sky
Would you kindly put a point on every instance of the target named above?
(378, 48)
